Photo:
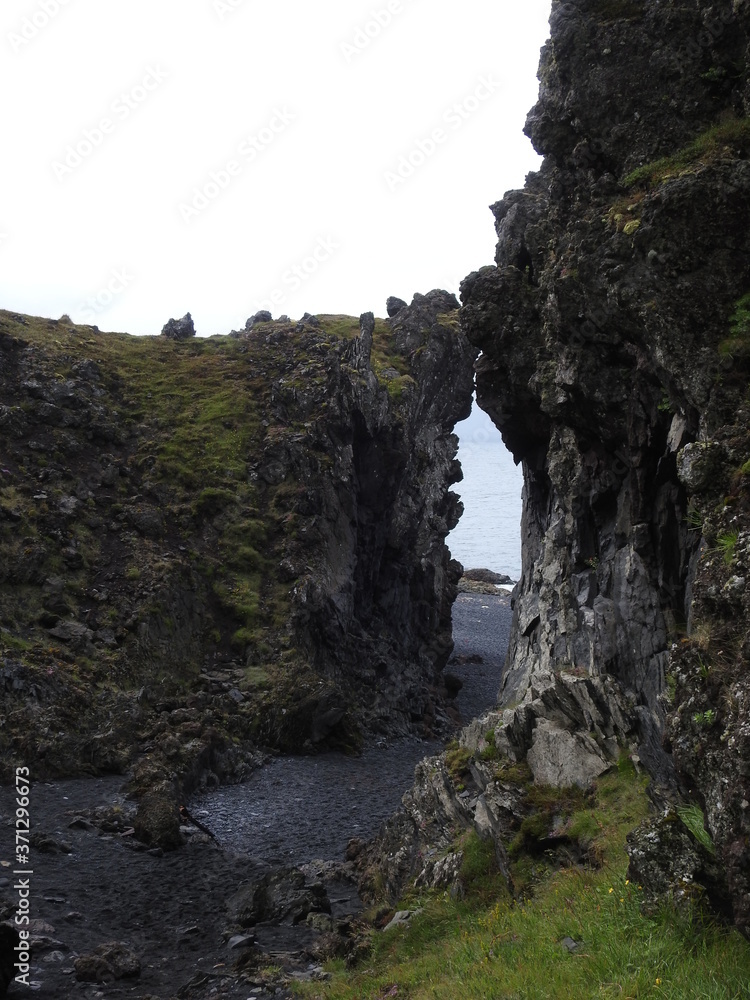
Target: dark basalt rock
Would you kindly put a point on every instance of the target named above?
(9, 938)
(157, 821)
(263, 316)
(108, 963)
(394, 305)
(615, 366)
(283, 895)
(249, 551)
(179, 329)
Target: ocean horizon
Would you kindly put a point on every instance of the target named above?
(488, 536)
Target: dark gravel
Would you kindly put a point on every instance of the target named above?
(171, 909)
(299, 809)
(481, 628)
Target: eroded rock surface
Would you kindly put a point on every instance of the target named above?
(614, 362)
(614, 330)
(207, 545)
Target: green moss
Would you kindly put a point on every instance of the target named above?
(256, 678)
(513, 773)
(242, 638)
(737, 344)
(480, 875)
(397, 386)
(14, 643)
(556, 812)
(457, 761)
(212, 500)
(708, 146)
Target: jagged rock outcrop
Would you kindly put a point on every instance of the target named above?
(615, 340)
(373, 602)
(567, 731)
(179, 329)
(214, 544)
(614, 332)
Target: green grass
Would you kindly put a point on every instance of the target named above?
(485, 948)
(708, 146)
(726, 544)
(695, 821)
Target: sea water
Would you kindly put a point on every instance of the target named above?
(489, 532)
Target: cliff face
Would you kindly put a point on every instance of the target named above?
(206, 545)
(615, 340)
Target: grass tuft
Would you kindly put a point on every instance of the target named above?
(488, 946)
(706, 147)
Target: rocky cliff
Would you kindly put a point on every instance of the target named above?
(614, 331)
(209, 545)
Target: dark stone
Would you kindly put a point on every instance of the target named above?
(394, 305)
(262, 316)
(282, 895)
(453, 684)
(9, 938)
(310, 320)
(487, 576)
(179, 329)
(108, 963)
(629, 418)
(157, 821)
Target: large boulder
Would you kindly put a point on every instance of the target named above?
(107, 963)
(157, 822)
(179, 329)
(560, 758)
(395, 305)
(262, 316)
(283, 895)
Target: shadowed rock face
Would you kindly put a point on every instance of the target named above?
(224, 542)
(377, 605)
(615, 364)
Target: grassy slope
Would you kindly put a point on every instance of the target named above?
(487, 946)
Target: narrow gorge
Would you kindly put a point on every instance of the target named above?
(216, 549)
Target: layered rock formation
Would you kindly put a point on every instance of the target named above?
(211, 544)
(615, 349)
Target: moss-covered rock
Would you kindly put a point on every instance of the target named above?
(181, 517)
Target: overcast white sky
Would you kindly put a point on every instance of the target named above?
(222, 156)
